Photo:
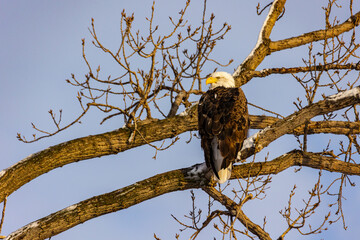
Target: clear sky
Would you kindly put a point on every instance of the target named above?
(40, 46)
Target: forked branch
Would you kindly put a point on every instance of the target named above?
(237, 212)
(264, 46)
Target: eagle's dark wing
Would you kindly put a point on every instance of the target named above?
(223, 125)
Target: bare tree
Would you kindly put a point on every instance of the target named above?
(148, 101)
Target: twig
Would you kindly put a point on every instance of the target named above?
(265, 110)
(269, 71)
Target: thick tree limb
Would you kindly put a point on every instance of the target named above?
(237, 212)
(114, 142)
(89, 147)
(314, 127)
(106, 203)
(176, 180)
(306, 38)
(294, 158)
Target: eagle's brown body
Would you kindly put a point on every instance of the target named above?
(223, 126)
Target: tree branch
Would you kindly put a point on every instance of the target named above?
(314, 127)
(175, 105)
(106, 203)
(306, 38)
(268, 71)
(294, 158)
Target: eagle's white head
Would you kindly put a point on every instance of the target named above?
(220, 79)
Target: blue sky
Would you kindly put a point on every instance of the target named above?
(41, 46)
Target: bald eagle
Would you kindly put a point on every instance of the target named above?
(223, 123)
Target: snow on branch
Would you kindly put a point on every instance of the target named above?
(352, 93)
(261, 48)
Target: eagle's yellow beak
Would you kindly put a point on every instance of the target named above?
(211, 80)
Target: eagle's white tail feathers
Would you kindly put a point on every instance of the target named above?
(224, 173)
